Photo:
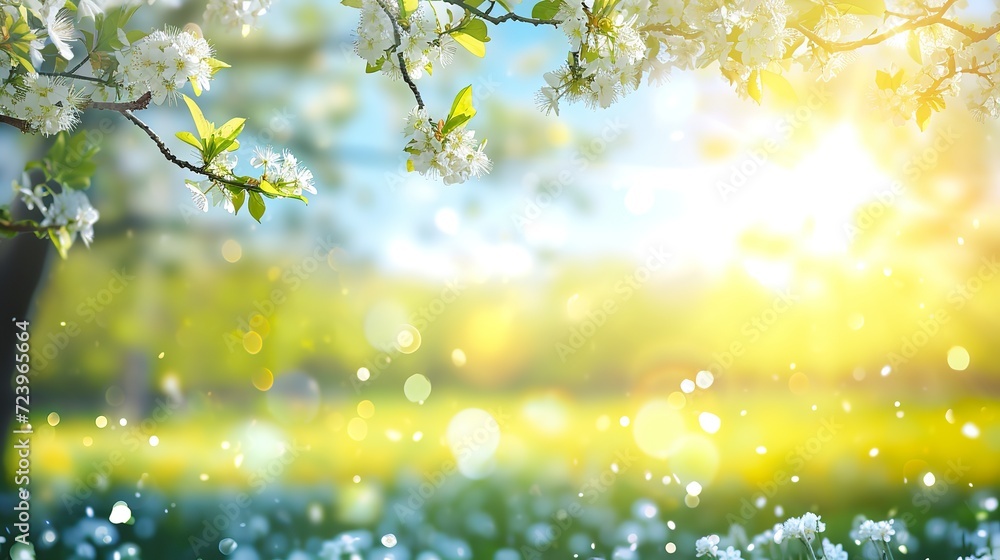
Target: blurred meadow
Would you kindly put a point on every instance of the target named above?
(647, 324)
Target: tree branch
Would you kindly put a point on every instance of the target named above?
(974, 36)
(19, 124)
(141, 103)
(127, 113)
(126, 108)
(497, 20)
(397, 37)
(73, 76)
(81, 63)
(136, 105)
(936, 18)
(20, 227)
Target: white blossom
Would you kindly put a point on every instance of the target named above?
(162, 62)
(71, 211)
(454, 157)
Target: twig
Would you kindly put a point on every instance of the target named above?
(141, 103)
(973, 35)
(136, 105)
(935, 19)
(397, 37)
(509, 16)
(126, 108)
(178, 161)
(19, 124)
(6, 225)
(80, 64)
(73, 76)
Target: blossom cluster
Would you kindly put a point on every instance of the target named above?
(162, 62)
(69, 212)
(876, 530)
(453, 156)
(709, 546)
(419, 42)
(281, 170)
(238, 14)
(48, 104)
(804, 528)
(614, 45)
(982, 88)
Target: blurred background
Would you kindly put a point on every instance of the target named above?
(647, 324)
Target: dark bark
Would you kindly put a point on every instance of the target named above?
(22, 263)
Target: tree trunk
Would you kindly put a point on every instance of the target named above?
(22, 262)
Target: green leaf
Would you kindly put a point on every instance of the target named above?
(913, 47)
(473, 36)
(232, 128)
(779, 87)
(477, 29)
(204, 127)
(215, 65)
(256, 205)
(268, 188)
(471, 44)
(883, 80)
(351, 3)
(61, 247)
(135, 35)
(407, 7)
(239, 196)
(461, 110)
(106, 28)
(923, 115)
(189, 138)
(897, 80)
(753, 86)
(69, 161)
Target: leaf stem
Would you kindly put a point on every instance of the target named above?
(497, 20)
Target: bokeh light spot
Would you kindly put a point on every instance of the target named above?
(252, 342)
(231, 251)
(417, 388)
(958, 358)
(357, 429)
(263, 379)
(366, 409)
(657, 428)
